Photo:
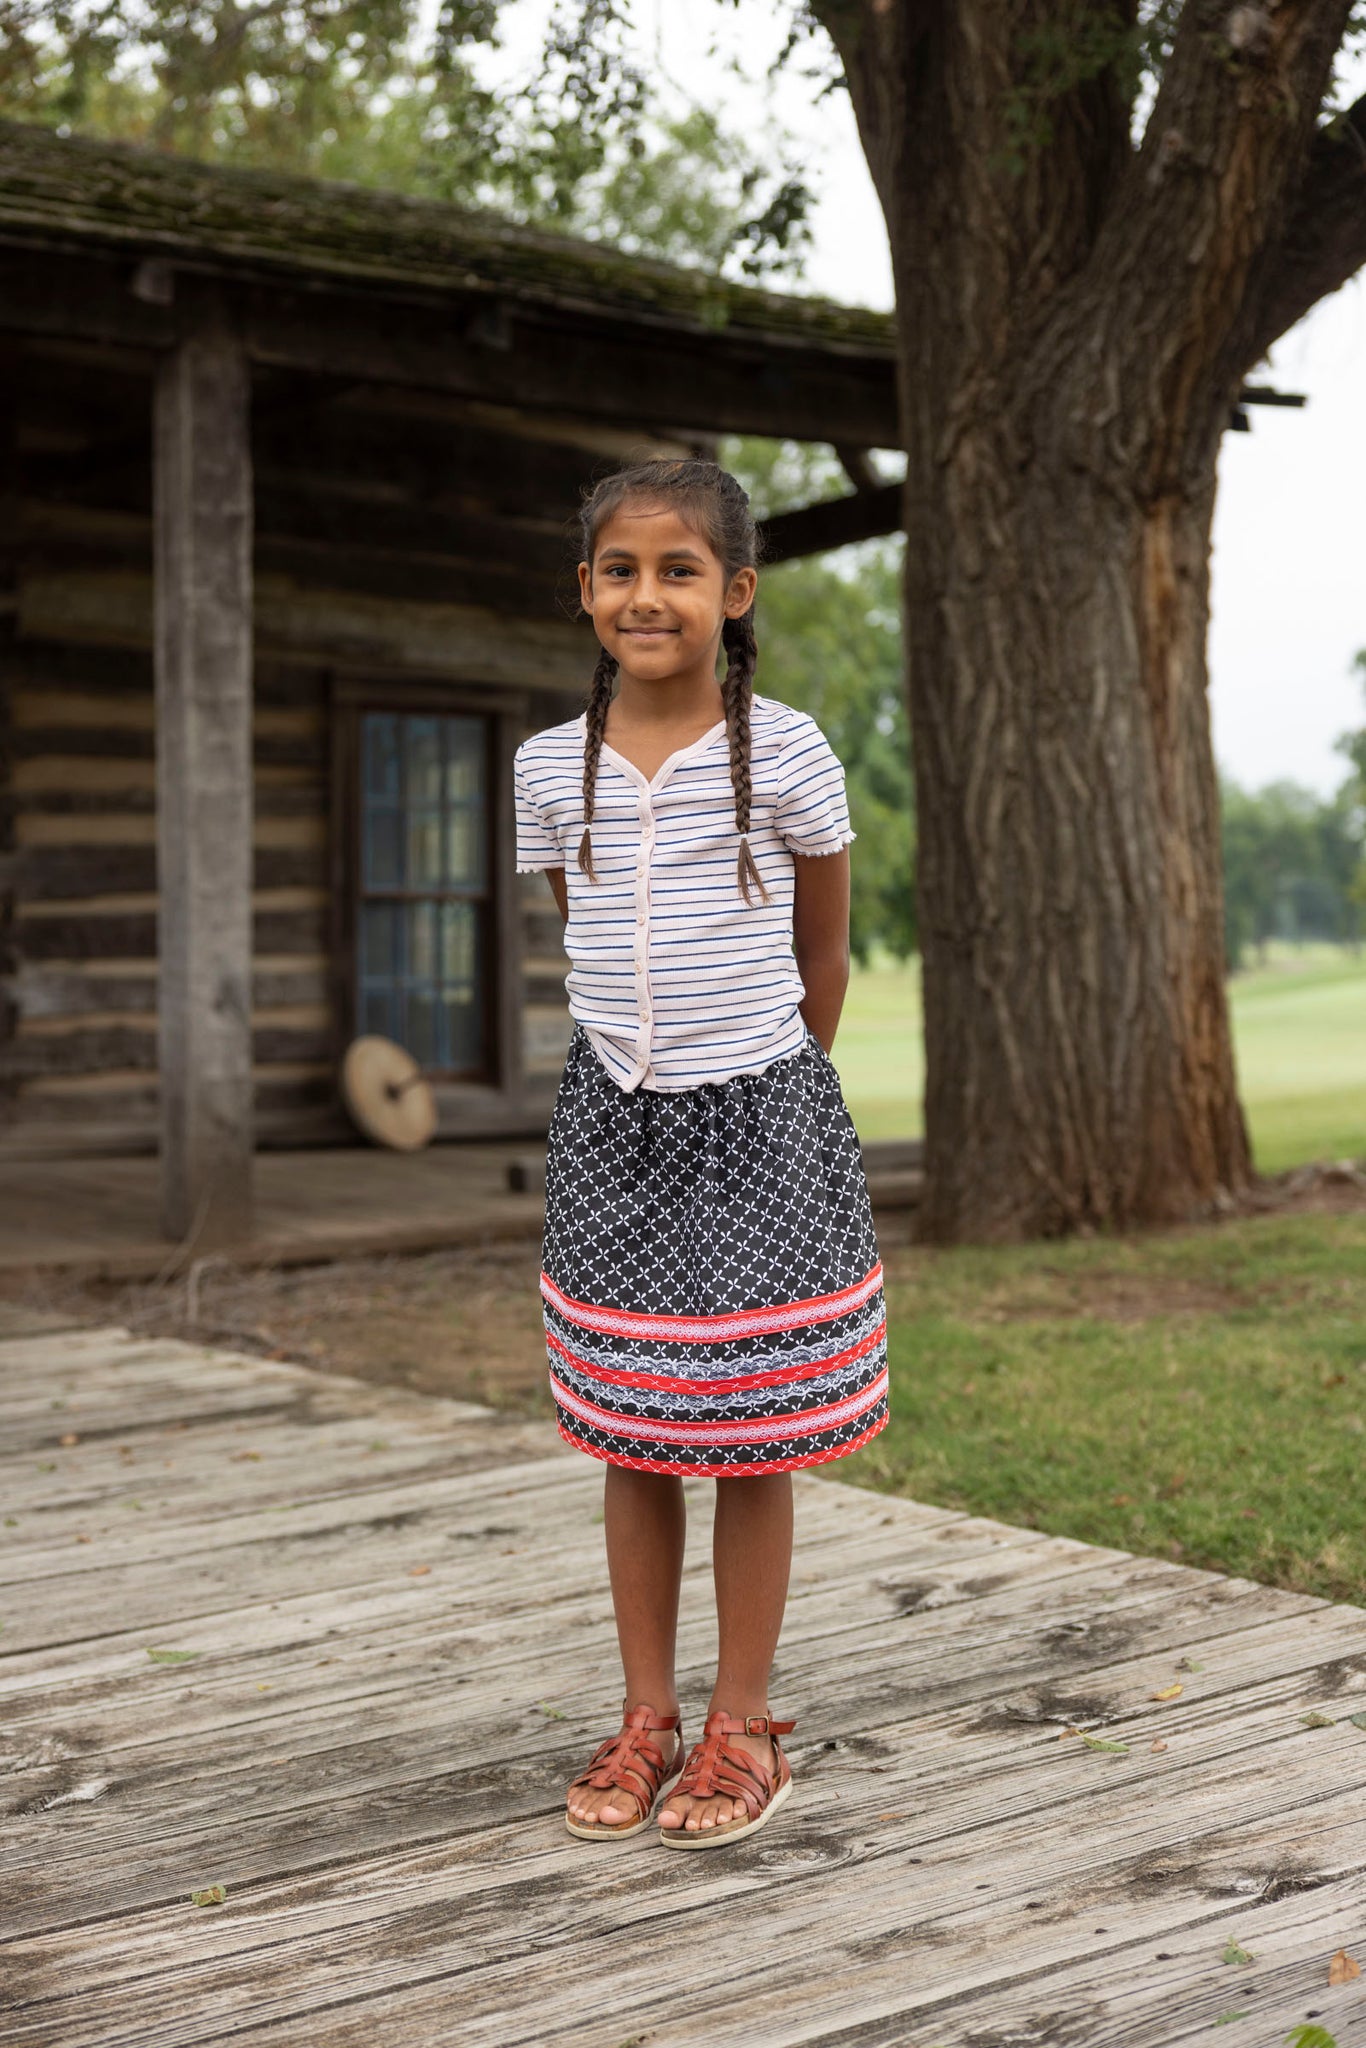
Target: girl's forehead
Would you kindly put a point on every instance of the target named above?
(643, 524)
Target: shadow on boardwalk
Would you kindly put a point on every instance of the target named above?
(383, 1643)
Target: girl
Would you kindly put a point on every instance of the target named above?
(712, 1292)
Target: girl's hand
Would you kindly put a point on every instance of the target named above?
(820, 938)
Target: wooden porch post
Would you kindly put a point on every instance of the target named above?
(202, 494)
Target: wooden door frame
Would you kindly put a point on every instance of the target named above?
(352, 694)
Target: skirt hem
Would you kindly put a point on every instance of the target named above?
(701, 1468)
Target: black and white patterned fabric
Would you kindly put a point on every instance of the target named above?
(711, 1283)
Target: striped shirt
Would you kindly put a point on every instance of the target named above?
(676, 980)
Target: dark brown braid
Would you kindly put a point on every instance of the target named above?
(715, 505)
(737, 692)
(595, 723)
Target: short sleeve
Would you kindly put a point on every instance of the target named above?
(537, 844)
(812, 813)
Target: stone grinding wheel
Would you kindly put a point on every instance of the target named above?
(387, 1094)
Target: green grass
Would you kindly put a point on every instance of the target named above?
(1197, 1395)
(1299, 1025)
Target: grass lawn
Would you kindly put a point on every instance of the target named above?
(1299, 1026)
(1198, 1395)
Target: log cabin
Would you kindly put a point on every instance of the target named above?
(288, 473)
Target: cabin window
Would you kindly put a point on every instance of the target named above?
(425, 887)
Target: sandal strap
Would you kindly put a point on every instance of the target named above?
(716, 1768)
(630, 1762)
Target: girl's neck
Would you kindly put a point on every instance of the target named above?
(669, 703)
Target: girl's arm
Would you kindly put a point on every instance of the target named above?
(820, 938)
(555, 877)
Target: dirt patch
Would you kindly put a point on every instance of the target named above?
(464, 1322)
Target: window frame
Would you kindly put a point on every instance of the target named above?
(354, 697)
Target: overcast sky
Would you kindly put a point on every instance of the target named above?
(1290, 532)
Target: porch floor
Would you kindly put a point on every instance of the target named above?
(101, 1217)
(337, 1649)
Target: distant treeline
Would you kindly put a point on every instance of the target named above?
(1292, 867)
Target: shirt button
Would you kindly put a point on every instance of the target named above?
(640, 917)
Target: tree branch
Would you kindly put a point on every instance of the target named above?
(1324, 242)
(1223, 154)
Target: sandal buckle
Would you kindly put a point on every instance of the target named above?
(756, 1724)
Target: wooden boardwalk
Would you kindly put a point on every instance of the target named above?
(383, 1642)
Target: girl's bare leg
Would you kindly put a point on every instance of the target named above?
(644, 1521)
(752, 1557)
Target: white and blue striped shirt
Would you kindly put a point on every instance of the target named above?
(676, 980)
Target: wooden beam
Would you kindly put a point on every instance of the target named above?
(647, 375)
(202, 496)
(836, 524)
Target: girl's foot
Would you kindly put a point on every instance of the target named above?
(616, 1795)
(732, 1781)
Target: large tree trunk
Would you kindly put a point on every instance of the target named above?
(1073, 327)
(1079, 1069)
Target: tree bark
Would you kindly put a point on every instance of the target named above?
(1075, 316)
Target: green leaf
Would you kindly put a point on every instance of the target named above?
(1226, 2019)
(1115, 1748)
(1233, 1953)
(1357, 1720)
(1311, 2037)
(551, 1713)
(1316, 1720)
(213, 1895)
(172, 1656)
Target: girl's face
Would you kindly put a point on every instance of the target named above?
(657, 594)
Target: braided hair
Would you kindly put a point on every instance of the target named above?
(712, 502)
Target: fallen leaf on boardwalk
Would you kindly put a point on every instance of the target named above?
(213, 1895)
(1063, 1733)
(551, 1713)
(85, 1539)
(1356, 1720)
(172, 1656)
(1097, 1742)
(263, 1686)
(1233, 1953)
(1168, 1692)
(1226, 2019)
(1311, 2037)
(69, 1439)
(891, 1816)
(418, 1571)
(1188, 1664)
(1343, 1969)
(1157, 1745)
(1316, 1720)
(239, 1457)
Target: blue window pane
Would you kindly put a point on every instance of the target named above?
(422, 941)
(464, 1027)
(379, 942)
(424, 832)
(464, 761)
(424, 850)
(424, 759)
(420, 1038)
(379, 745)
(383, 849)
(377, 1013)
(459, 931)
(465, 848)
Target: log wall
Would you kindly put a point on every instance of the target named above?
(347, 588)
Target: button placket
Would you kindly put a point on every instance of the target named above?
(644, 1003)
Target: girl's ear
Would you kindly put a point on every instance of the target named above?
(586, 587)
(740, 596)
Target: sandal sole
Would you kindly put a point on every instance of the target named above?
(585, 1831)
(715, 1838)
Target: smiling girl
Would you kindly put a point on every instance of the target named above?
(711, 1284)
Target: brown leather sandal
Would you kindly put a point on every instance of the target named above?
(632, 1764)
(715, 1770)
